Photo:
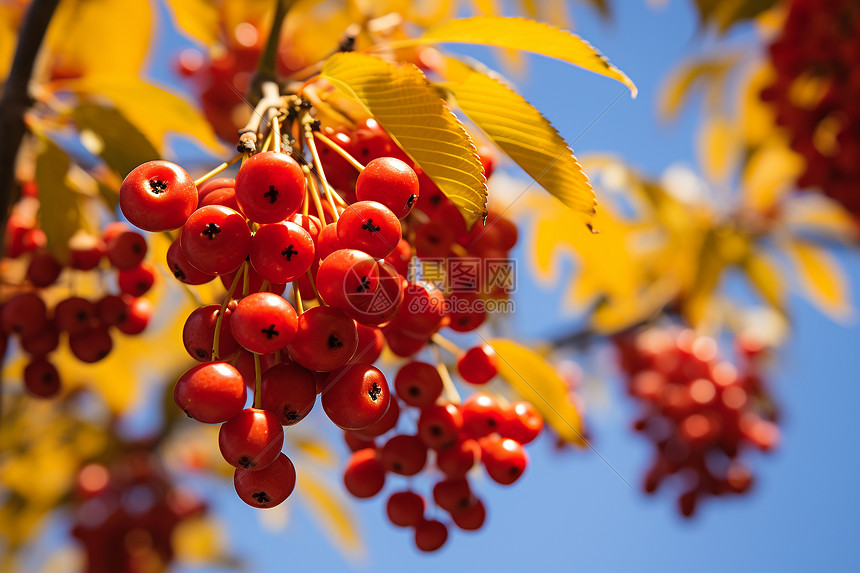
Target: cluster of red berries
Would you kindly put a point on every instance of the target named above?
(816, 93)
(448, 440)
(86, 323)
(222, 77)
(699, 411)
(126, 513)
(347, 266)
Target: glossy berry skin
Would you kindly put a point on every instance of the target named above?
(504, 459)
(364, 475)
(452, 494)
(126, 249)
(522, 423)
(456, 461)
(478, 365)
(356, 396)
(198, 333)
(386, 423)
(270, 187)
(266, 487)
(376, 308)
(282, 252)
(482, 415)
(370, 227)
(158, 196)
(75, 314)
(418, 384)
(405, 508)
(471, 518)
(24, 314)
(91, 345)
(136, 317)
(326, 339)
(371, 342)
(345, 277)
(41, 378)
(405, 455)
(40, 343)
(44, 269)
(182, 270)
(252, 439)
(214, 184)
(215, 239)
(289, 391)
(439, 425)
(263, 322)
(211, 393)
(430, 535)
(422, 310)
(136, 281)
(389, 181)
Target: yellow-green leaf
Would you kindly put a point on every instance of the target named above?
(537, 382)
(197, 18)
(822, 280)
(526, 35)
(122, 146)
(523, 133)
(401, 99)
(328, 506)
(59, 211)
(154, 111)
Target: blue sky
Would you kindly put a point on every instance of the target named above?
(571, 511)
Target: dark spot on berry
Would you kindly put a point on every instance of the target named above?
(187, 413)
(491, 423)
(178, 272)
(246, 462)
(82, 316)
(201, 353)
(141, 287)
(211, 230)
(375, 391)
(270, 332)
(514, 471)
(435, 199)
(101, 355)
(271, 194)
(414, 391)
(370, 227)
(397, 467)
(334, 341)
(435, 431)
(411, 200)
(463, 503)
(289, 252)
(136, 248)
(363, 285)
(47, 378)
(157, 187)
(261, 497)
(291, 415)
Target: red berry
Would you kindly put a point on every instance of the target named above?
(370, 227)
(523, 423)
(198, 334)
(370, 345)
(138, 280)
(478, 364)
(482, 415)
(472, 517)
(345, 278)
(389, 181)
(504, 459)
(211, 393)
(44, 269)
(41, 378)
(452, 494)
(263, 322)
(456, 461)
(326, 338)
(215, 239)
(364, 475)
(289, 391)
(356, 396)
(418, 384)
(91, 345)
(182, 269)
(430, 535)
(126, 249)
(252, 439)
(158, 196)
(405, 455)
(270, 187)
(282, 252)
(266, 487)
(75, 314)
(386, 423)
(405, 508)
(137, 315)
(24, 314)
(439, 425)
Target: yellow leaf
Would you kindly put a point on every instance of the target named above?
(718, 146)
(769, 174)
(153, 110)
(711, 72)
(317, 450)
(525, 35)
(765, 275)
(538, 383)
(523, 133)
(197, 18)
(59, 210)
(818, 214)
(10, 17)
(100, 37)
(328, 507)
(402, 101)
(198, 540)
(822, 280)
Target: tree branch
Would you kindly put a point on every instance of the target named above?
(14, 103)
(266, 68)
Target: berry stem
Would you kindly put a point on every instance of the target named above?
(314, 286)
(447, 383)
(447, 345)
(312, 189)
(258, 383)
(221, 312)
(218, 169)
(245, 282)
(276, 133)
(309, 137)
(299, 306)
(340, 151)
